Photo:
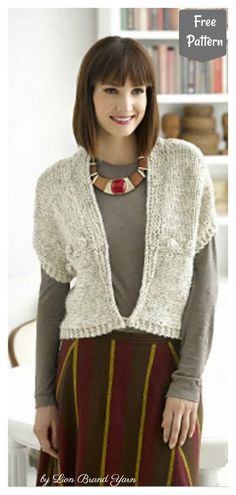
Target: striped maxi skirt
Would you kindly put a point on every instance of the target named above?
(110, 392)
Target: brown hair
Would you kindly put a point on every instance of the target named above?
(113, 59)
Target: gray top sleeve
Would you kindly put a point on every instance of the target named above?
(197, 326)
(197, 330)
(50, 312)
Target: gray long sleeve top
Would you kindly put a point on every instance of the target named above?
(124, 222)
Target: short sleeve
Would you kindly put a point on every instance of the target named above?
(48, 238)
(207, 216)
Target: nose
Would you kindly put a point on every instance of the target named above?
(124, 104)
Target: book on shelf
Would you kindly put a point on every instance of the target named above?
(177, 74)
(151, 19)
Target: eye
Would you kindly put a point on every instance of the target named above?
(113, 89)
(109, 89)
(139, 89)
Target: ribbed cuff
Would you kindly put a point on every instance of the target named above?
(182, 392)
(45, 400)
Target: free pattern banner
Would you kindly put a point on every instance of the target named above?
(202, 33)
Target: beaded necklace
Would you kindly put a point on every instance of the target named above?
(123, 185)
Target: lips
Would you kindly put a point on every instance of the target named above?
(122, 120)
(121, 116)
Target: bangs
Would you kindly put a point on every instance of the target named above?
(127, 61)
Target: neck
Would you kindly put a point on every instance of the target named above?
(117, 151)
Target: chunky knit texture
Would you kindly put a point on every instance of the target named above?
(71, 243)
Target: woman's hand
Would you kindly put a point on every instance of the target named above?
(179, 420)
(46, 419)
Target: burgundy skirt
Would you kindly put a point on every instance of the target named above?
(110, 392)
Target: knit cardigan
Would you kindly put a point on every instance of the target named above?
(70, 240)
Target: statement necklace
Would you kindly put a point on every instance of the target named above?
(123, 185)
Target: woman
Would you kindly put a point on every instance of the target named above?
(129, 220)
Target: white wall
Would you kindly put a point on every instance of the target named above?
(46, 47)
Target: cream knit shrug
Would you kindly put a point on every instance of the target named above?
(70, 240)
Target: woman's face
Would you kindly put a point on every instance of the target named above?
(119, 101)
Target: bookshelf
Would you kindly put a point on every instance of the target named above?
(150, 35)
(109, 23)
(193, 98)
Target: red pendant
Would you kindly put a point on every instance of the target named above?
(118, 186)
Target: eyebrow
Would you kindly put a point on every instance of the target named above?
(117, 85)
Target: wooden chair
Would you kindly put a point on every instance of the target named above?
(21, 350)
(21, 344)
